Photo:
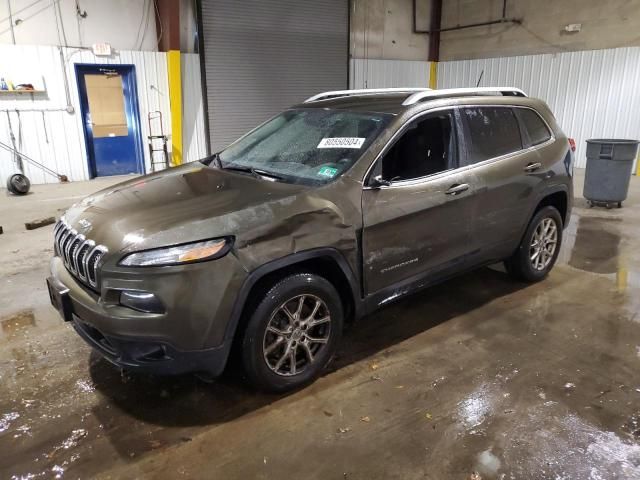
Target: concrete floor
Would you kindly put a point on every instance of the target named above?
(479, 374)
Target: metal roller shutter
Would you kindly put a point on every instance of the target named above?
(261, 56)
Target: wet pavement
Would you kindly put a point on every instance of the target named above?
(478, 376)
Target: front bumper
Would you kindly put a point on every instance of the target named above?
(146, 356)
(179, 340)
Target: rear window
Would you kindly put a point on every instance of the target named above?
(491, 132)
(535, 130)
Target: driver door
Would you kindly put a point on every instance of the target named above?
(417, 216)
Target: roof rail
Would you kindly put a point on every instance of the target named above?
(363, 91)
(463, 92)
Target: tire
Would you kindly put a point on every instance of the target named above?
(18, 184)
(520, 265)
(272, 371)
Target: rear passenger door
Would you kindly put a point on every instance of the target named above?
(505, 175)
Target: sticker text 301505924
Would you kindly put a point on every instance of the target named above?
(341, 142)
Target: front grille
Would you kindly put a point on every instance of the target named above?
(81, 256)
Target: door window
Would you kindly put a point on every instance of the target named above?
(534, 129)
(425, 148)
(105, 96)
(491, 132)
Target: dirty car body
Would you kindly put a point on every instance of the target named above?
(161, 273)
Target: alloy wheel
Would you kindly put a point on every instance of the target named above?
(543, 244)
(296, 334)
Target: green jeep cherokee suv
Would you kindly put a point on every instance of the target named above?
(321, 215)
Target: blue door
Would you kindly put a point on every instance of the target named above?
(109, 106)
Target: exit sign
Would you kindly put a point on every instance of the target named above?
(101, 49)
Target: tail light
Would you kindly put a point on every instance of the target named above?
(572, 144)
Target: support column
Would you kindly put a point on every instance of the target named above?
(434, 41)
(433, 75)
(175, 100)
(168, 23)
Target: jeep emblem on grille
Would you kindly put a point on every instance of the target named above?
(84, 226)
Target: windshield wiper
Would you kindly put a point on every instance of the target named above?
(256, 172)
(237, 168)
(264, 173)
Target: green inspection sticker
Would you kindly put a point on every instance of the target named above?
(329, 172)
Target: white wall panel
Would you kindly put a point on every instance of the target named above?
(366, 73)
(54, 137)
(593, 94)
(125, 24)
(194, 142)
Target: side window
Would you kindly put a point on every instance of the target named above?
(491, 132)
(535, 130)
(425, 148)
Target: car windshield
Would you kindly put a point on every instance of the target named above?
(308, 146)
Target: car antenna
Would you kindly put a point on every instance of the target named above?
(479, 78)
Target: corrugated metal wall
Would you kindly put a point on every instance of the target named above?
(194, 141)
(594, 94)
(55, 137)
(365, 73)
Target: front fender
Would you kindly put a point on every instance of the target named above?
(285, 262)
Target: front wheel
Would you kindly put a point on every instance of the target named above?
(539, 248)
(293, 333)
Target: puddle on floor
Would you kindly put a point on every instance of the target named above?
(597, 245)
(18, 322)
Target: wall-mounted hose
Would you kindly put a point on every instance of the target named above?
(62, 178)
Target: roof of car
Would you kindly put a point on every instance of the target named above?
(397, 100)
(381, 103)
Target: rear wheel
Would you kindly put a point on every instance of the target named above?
(293, 333)
(539, 248)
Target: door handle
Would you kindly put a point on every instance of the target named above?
(532, 167)
(457, 188)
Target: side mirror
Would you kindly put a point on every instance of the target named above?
(378, 181)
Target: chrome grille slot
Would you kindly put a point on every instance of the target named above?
(93, 259)
(82, 252)
(81, 256)
(68, 252)
(66, 239)
(57, 229)
(75, 249)
(58, 235)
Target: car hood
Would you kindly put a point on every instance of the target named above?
(182, 204)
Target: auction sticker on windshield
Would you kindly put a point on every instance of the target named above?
(341, 142)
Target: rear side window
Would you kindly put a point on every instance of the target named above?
(535, 131)
(491, 132)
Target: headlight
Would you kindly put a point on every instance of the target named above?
(179, 254)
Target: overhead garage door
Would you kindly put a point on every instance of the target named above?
(263, 56)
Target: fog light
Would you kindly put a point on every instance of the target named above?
(141, 301)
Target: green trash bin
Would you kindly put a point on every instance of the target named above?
(609, 164)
